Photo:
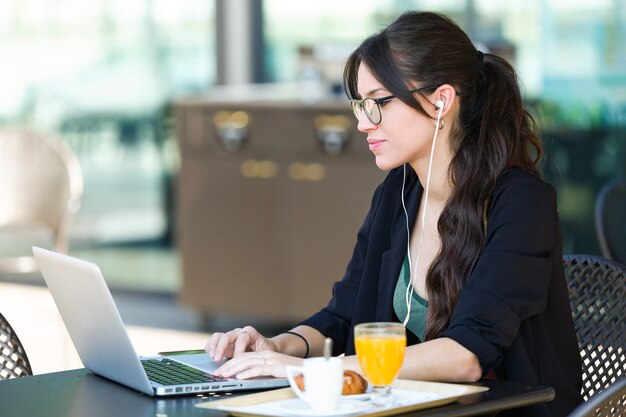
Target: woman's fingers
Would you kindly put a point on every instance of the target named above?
(253, 364)
(227, 345)
(246, 338)
(212, 343)
(244, 367)
(217, 345)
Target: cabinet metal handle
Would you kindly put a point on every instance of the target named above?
(231, 128)
(333, 133)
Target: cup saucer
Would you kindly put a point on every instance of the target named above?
(344, 408)
(359, 397)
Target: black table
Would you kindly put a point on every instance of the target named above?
(80, 393)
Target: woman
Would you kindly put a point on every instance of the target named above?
(462, 241)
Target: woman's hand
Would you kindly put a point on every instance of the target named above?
(250, 364)
(237, 341)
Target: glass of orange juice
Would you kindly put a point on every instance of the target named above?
(380, 351)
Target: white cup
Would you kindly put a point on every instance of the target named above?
(323, 382)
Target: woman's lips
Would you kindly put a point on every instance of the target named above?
(374, 144)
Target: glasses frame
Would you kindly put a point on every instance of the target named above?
(358, 104)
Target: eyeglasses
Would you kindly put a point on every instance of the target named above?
(372, 107)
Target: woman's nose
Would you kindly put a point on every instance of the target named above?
(364, 124)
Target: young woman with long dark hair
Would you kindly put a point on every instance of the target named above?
(462, 243)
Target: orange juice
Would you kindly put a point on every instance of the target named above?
(380, 356)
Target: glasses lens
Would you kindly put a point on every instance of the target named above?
(372, 111)
(356, 108)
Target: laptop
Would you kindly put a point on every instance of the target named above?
(98, 333)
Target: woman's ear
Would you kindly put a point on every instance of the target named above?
(446, 96)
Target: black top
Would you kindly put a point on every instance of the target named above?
(513, 312)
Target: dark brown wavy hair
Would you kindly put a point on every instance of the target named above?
(493, 132)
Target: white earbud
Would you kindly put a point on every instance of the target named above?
(439, 104)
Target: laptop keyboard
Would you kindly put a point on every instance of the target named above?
(169, 372)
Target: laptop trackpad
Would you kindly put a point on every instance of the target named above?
(200, 361)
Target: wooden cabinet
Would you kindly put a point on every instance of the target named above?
(267, 212)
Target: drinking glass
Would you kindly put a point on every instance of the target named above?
(380, 350)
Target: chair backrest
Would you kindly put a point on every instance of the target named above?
(13, 360)
(611, 402)
(610, 216)
(41, 187)
(597, 292)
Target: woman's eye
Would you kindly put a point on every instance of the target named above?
(383, 103)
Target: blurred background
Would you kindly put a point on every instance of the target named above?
(165, 102)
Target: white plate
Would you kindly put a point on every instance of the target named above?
(360, 397)
(344, 408)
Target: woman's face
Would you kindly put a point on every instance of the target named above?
(404, 135)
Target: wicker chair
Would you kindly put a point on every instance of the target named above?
(608, 403)
(610, 216)
(41, 187)
(13, 360)
(597, 291)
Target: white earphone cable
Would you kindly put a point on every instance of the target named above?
(408, 248)
(413, 271)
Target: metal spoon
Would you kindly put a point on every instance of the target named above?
(328, 348)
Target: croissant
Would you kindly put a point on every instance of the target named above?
(353, 383)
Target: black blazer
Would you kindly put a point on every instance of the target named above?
(513, 312)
